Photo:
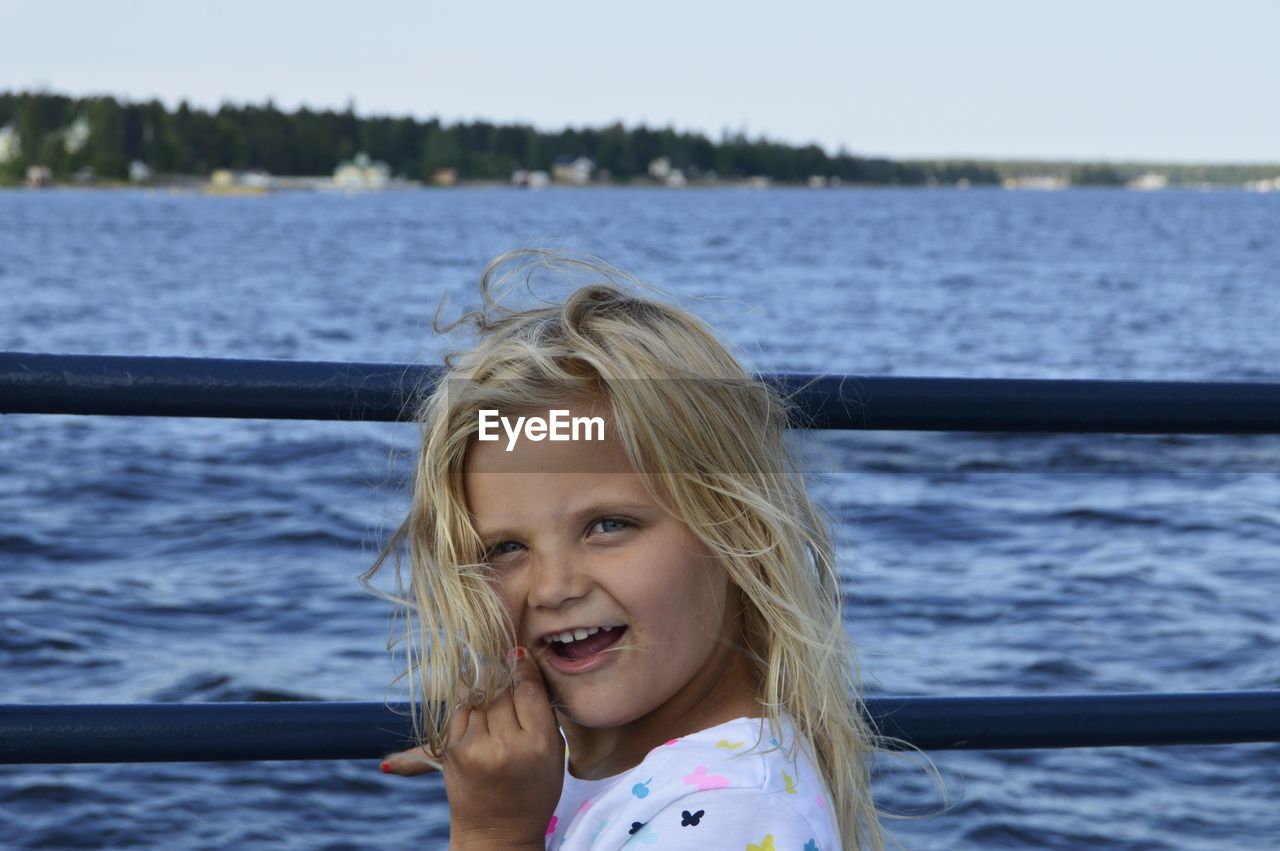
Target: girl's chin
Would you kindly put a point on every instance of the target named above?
(583, 713)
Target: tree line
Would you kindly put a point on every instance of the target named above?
(68, 135)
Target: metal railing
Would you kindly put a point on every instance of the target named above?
(316, 390)
(194, 387)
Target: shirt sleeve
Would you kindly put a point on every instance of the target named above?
(729, 819)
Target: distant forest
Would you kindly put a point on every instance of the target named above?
(68, 134)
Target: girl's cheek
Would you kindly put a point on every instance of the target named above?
(511, 598)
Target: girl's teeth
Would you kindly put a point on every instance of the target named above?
(570, 636)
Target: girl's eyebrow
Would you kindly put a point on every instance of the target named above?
(578, 516)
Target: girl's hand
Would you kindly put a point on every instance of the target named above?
(505, 767)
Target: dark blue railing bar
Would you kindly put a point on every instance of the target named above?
(315, 390)
(202, 732)
(206, 387)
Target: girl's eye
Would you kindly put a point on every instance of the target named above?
(501, 549)
(610, 524)
(603, 526)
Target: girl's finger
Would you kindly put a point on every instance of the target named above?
(410, 763)
(501, 714)
(532, 703)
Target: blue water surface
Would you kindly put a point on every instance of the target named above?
(205, 560)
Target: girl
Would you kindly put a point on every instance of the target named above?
(656, 591)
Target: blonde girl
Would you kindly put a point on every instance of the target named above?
(633, 635)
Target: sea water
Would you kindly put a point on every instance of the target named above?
(149, 559)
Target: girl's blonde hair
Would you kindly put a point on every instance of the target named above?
(708, 439)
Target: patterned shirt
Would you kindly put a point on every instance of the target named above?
(727, 787)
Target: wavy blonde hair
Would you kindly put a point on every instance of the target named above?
(708, 439)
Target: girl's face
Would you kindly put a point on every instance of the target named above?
(580, 549)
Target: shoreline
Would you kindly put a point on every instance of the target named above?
(205, 188)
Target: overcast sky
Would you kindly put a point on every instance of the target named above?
(1122, 79)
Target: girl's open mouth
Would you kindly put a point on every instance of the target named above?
(583, 654)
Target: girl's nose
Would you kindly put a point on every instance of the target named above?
(556, 580)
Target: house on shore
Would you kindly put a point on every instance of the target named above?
(1149, 182)
(1037, 182)
(576, 172)
(224, 181)
(39, 176)
(362, 173)
(526, 179)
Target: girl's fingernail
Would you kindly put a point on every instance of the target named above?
(386, 767)
(518, 653)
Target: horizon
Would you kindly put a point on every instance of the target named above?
(1146, 82)
(174, 105)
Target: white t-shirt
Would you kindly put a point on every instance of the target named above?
(730, 786)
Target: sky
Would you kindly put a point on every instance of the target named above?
(1150, 80)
